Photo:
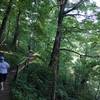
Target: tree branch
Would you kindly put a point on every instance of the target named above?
(65, 49)
(78, 14)
(74, 7)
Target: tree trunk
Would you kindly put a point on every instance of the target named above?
(4, 21)
(54, 61)
(16, 33)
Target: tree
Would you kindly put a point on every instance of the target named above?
(16, 33)
(4, 21)
(54, 61)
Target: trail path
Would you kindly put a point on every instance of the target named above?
(5, 95)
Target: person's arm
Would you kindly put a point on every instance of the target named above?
(8, 67)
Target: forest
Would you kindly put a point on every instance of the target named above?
(54, 48)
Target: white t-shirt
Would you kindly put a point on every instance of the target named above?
(4, 67)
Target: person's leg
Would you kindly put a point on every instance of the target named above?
(3, 79)
(2, 86)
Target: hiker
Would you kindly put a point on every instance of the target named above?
(3, 71)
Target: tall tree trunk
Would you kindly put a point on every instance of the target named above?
(4, 21)
(54, 61)
(16, 33)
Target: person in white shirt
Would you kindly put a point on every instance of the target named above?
(3, 71)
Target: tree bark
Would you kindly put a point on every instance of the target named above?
(16, 33)
(54, 61)
(4, 21)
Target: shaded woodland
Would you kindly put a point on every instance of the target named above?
(54, 46)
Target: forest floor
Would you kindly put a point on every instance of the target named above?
(5, 94)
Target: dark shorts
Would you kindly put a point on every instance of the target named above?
(3, 77)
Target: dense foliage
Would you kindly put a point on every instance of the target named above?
(32, 25)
